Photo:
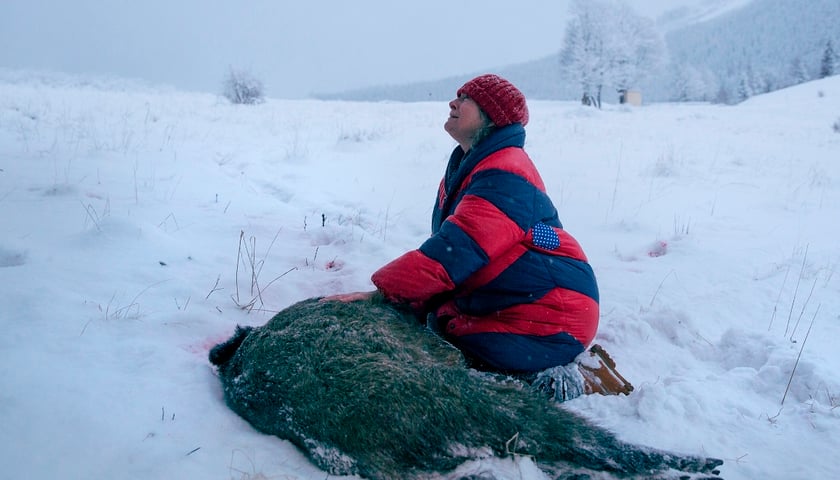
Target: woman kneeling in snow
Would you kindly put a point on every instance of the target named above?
(499, 277)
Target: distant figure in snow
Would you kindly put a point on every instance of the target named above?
(499, 277)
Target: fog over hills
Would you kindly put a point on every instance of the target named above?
(716, 46)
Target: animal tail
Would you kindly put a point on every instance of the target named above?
(647, 460)
(641, 462)
(223, 352)
(588, 447)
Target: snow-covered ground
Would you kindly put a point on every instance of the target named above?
(135, 224)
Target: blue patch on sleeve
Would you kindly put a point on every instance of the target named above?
(545, 237)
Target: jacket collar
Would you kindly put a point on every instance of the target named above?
(462, 163)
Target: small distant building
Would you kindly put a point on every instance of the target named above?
(630, 97)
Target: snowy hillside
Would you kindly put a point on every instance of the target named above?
(138, 223)
(769, 43)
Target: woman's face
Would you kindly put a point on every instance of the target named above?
(464, 120)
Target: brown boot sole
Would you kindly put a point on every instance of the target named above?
(604, 378)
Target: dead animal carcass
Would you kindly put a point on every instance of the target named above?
(363, 388)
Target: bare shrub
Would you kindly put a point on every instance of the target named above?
(243, 88)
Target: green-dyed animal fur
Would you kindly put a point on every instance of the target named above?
(364, 389)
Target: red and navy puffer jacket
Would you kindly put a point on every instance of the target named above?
(513, 289)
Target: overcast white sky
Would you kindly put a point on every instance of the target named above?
(294, 47)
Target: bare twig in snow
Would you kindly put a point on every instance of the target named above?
(250, 261)
(796, 290)
(778, 297)
(94, 217)
(803, 310)
(617, 177)
(215, 287)
(660, 287)
(798, 356)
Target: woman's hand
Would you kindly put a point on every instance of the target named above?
(350, 297)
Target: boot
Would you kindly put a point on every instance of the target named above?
(561, 383)
(593, 371)
(599, 373)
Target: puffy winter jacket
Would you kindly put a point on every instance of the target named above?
(508, 284)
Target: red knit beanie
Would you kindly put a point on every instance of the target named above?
(498, 98)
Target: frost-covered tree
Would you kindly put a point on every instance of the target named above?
(583, 55)
(744, 90)
(763, 82)
(722, 96)
(746, 85)
(607, 44)
(241, 87)
(693, 84)
(798, 72)
(752, 83)
(829, 64)
(636, 47)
